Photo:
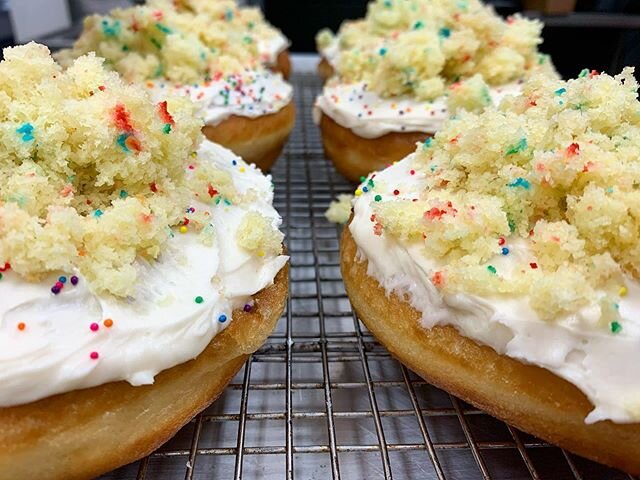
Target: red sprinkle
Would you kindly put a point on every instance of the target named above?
(94, 327)
(573, 150)
(6, 267)
(94, 355)
(412, 172)
(396, 192)
(165, 116)
(437, 279)
(533, 265)
(501, 241)
(434, 213)
(122, 118)
(133, 143)
(154, 187)
(211, 191)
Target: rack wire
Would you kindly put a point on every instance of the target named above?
(322, 399)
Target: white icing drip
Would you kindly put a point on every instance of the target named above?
(270, 48)
(601, 364)
(371, 116)
(259, 93)
(159, 326)
(331, 53)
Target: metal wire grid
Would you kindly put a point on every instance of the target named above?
(322, 399)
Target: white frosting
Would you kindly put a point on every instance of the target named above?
(270, 48)
(159, 326)
(370, 116)
(600, 363)
(331, 53)
(252, 94)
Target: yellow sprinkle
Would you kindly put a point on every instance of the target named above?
(184, 229)
(358, 192)
(242, 169)
(261, 254)
(623, 291)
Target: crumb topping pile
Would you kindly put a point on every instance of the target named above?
(188, 42)
(95, 175)
(422, 47)
(551, 178)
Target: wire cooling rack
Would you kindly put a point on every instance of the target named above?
(322, 399)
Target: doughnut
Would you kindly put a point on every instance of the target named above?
(528, 397)
(324, 69)
(283, 64)
(407, 67)
(258, 140)
(85, 433)
(205, 51)
(140, 266)
(495, 262)
(355, 157)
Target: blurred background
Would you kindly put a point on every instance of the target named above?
(596, 34)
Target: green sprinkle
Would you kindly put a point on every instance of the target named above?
(0, 276)
(125, 48)
(615, 326)
(418, 25)
(123, 194)
(248, 40)
(492, 269)
(518, 147)
(362, 178)
(163, 28)
(427, 142)
(157, 44)
(584, 72)
(377, 198)
(166, 128)
(199, 299)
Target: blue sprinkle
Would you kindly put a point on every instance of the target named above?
(610, 190)
(560, 91)
(112, 30)
(26, 130)
(98, 213)
(234, 162)
(520, 182)
(222, 318)
(427, 142)
(123, 194)
(505, 251)
(365, 189)
(229, 15)
(62, 279)
(382, 51)
(122, 138)
(444, 32)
